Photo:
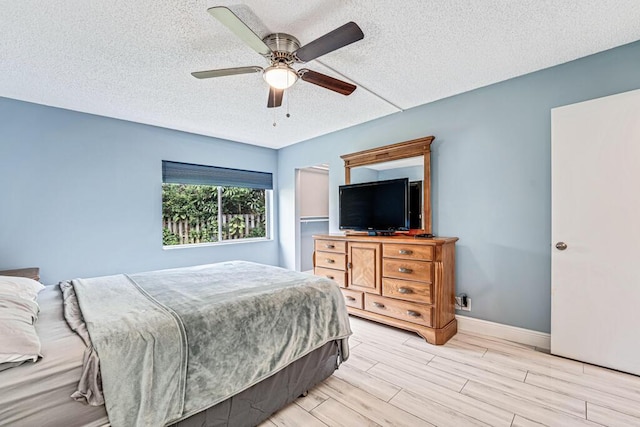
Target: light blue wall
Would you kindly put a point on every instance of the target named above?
(80, 195)
(491, 177)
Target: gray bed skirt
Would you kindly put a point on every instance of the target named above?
(254, 405)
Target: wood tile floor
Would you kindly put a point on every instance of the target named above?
(394, 378)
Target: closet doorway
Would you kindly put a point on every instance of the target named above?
(312, 211)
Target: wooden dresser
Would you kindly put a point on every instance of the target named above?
(400, 281)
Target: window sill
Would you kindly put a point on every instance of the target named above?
(221, 243)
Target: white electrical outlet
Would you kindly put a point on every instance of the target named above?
(460, 306)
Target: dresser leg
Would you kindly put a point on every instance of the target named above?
(439, 336)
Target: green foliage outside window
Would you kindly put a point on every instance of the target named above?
(190, 213)
(237, 200)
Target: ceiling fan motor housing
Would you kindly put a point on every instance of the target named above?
(282, 45)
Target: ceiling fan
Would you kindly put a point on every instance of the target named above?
(282, 51)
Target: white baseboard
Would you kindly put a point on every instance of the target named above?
(511, 333)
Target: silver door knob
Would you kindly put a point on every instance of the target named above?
(561, 246)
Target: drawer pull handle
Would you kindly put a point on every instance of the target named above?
(330, 277)
(405, 270)
(405, 252)
(330, 261)
(329, 246)
(405, 290)
(413, 313)
(378, 305)
(350, 298)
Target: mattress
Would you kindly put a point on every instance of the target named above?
(34, 394)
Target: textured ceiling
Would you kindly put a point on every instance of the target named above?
(132, 59)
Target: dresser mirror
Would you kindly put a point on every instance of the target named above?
(412, 168)
(410, 159)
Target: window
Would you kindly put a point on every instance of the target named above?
(204, 204)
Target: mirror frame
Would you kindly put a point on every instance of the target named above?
(401, 150)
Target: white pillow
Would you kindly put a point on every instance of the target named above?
(20, 286)
(19, 341)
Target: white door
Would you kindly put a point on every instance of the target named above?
(595, 299)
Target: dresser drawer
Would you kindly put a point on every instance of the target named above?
(421, 271)
(403, 310)
(408, 290)
(406, 251)
(331, 260)
(353, 298)
(337, 276)
(338, 246)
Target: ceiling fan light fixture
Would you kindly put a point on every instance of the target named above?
(280, 76)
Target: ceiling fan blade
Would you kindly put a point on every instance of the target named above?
(225, 72)
(326, 82)
(240, 29)
(333, 40)
(275, 97)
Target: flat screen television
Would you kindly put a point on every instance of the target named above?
(378, 206)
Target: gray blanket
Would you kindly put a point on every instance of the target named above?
(174, 342)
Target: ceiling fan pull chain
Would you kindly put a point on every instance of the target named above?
(273, 110)
(288, 95)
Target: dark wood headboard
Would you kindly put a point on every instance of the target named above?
(31, 273)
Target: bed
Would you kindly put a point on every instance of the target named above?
(233, 390)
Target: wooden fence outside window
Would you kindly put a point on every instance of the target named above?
(234, 226)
